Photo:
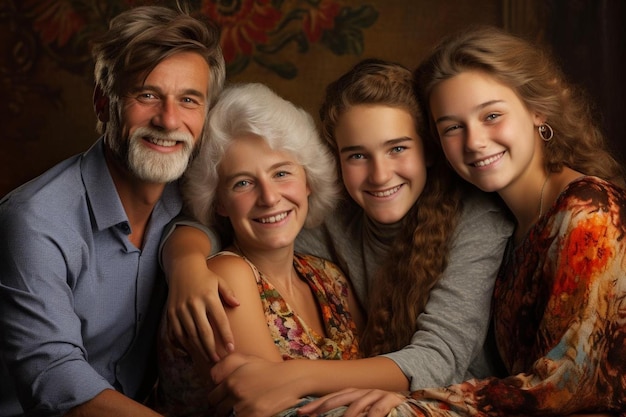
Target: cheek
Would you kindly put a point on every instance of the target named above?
(417, 172)
(233, 207)
(452, 150)
(134, 113)
(351, 177)
(195, 124)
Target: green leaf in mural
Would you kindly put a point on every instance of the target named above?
(286, 70)
(282, 39)
(238, 65)
(346, 36)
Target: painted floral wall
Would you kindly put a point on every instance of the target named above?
(294, 46)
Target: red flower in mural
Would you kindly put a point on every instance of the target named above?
(244, 23)
(55, 20)
(319, 19)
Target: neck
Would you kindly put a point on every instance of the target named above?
(527, 201)
(526, 204)
(138, 197)
(277, 264)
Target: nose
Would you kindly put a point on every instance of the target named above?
(474, 139)
(269, 195)
(379, 170)
(168, 115)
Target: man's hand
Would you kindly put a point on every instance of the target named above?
(194, 306)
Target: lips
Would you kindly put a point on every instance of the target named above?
(487, 161)
(273, 219)
(167, 143)
(386, 193)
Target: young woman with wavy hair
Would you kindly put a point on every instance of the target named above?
(418, 255)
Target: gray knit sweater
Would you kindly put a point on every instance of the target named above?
(450, 345)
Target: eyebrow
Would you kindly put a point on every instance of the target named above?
(389, 142)
(246, 173)
(185, 92)
(475, 109)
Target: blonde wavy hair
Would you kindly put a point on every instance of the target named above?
(532, 73)
(419, 254)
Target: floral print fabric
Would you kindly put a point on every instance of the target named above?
(182, 390)
(559, 316)
(292, 336)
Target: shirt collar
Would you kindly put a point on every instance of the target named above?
(104, 202)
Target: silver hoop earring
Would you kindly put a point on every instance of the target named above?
(546, 132)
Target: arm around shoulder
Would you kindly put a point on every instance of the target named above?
(194, 307)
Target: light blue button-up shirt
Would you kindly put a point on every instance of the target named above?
(79, 304)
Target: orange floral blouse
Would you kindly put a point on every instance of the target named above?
(559, 315)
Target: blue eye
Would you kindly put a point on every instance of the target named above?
(145, 97)
(451, 128)
(241, 183)
(189, 102)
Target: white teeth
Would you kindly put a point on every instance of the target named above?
(274, 219)
(487, 161)
(385, 193)
(162, 142)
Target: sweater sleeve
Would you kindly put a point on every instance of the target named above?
(455, 321)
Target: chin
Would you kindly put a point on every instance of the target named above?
(386, 219)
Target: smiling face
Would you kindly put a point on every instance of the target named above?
(162, 118)
(264, 193)
(382, 160)
(487, 133)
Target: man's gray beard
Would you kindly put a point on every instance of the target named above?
(152, 166)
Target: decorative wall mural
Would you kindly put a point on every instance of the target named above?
(251, 30)
(259, 30)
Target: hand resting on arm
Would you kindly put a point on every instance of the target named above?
(195, 308)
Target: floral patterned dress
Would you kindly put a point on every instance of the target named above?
(183, 392)
(559, 316)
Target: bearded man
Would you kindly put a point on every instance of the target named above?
(80, 287)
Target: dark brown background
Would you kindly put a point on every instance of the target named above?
(46, 110)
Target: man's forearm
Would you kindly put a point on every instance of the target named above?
(111, 403)
(183, 242)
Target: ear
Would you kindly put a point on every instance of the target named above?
(219, 209)
(101, 104)
(538, 119)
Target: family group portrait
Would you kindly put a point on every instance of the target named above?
(313, 208)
